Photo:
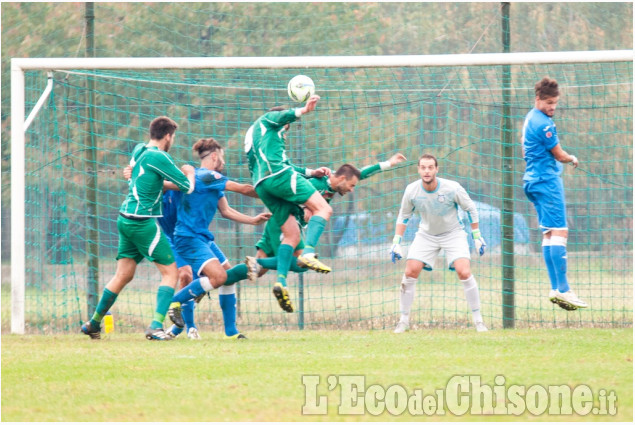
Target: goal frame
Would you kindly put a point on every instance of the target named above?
(19, 126)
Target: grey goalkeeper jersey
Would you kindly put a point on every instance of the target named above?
(438, 209)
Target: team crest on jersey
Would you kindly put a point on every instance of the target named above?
(441, 198)
(549, 134)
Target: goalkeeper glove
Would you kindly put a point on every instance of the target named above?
(395, 251)
(479, 242)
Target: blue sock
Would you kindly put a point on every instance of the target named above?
(559, 258)
(187, 311)
(551, 269)
(176, 330)
(228, 305)
(191, 291)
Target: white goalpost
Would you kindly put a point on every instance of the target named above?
(19, 123)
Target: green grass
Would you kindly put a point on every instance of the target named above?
(125, 378)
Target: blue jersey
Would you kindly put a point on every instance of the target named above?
(539, 137)
(196, 210)
(170, 204)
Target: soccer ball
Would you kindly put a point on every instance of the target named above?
(300, 88)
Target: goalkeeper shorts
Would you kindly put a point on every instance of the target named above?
(426, 248)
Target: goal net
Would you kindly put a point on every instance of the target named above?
(81, 138)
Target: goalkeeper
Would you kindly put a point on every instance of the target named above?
(437, 201)
(342, 181)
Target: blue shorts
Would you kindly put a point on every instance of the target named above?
(180, 262)
(548, 198)
(198, 252)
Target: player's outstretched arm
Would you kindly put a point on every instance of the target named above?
(231, 214)
(371, 170)
(396, 159)
(244, 189)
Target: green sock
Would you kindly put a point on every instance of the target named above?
(164, 298)
(271, 263)
(107, 300)
(313, 233)
(285, 255)
(236, 274)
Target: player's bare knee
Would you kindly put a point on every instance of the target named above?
(185, 276)
(124, 277)
(169, 273)
(464, 272)
(220, 277)
(413, 269)
(292, 238)
(412, 272)
(325, 212)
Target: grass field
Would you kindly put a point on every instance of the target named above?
(125, 378)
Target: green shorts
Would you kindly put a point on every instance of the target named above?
(271, 239)
(283, 193)
(139, 239)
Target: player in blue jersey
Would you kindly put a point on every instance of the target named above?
(171, 200)
(543, 186)
(194, 243)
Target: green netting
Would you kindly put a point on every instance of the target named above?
(365, 116)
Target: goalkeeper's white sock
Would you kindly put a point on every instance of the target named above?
(407, 296)
(473, 299)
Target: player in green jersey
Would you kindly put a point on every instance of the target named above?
(343, 181)
(283, 186)
(139, 233)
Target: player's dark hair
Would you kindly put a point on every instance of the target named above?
(428, 156)
(348, 171)
(277, 109)
(546, 88)
(162, 126)
(204, 147)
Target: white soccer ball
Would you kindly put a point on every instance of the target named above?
(300, 88)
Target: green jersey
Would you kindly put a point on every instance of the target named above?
(150, 166)
(265, 146)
